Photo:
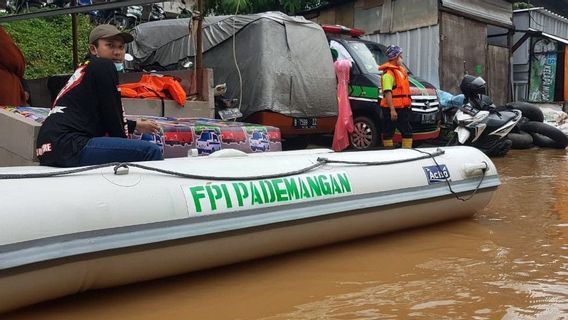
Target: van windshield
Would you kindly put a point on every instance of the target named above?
(365, 56)
(205, 135)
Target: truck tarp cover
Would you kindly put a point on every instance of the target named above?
(285, 62)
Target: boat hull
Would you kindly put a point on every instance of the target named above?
(47, 266)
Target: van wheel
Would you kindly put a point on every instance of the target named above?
(365, 134)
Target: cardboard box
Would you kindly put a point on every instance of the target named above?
(19, 127)
(169, 108)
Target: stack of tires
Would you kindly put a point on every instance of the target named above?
(531, 131)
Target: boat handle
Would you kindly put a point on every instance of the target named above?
(475, 169)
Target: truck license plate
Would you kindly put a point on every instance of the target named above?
(305, 123)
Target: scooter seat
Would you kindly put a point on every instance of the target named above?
(499, 118)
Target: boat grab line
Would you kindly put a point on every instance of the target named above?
(483, 171)
(121, 168)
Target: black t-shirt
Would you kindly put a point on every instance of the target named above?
(88, 106)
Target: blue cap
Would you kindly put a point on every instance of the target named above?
(393, 52)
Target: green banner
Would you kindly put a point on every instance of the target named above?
(543, 76)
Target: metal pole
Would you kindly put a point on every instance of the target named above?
(74, 35)
(511, 86)
(199, 53)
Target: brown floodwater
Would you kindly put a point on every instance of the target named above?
(510, 261)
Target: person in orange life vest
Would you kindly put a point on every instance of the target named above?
(396, 101)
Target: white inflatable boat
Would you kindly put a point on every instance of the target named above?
(98, 228)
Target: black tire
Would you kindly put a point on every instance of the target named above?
(365, 134)
(531, 111)
(520, 140)
(452, 139)
(131, 23)
(295, 143)
(119, 21)
(560, 139)
(543, 141)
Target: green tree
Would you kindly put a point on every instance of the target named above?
(47, 43)
(521, 5)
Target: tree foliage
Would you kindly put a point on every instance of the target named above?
(47, 43)
(521, 5)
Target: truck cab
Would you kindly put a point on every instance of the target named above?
(365, 94)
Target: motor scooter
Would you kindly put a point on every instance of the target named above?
(156, 13)
(225, 109)
(478, 123)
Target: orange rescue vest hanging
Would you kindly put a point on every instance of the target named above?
(401, 89)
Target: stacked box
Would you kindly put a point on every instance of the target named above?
(179, 136)
(19, 127)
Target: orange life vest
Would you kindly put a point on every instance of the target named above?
(153, 86)
(401, 89)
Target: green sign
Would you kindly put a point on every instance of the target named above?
(542, 77)
(229, 196)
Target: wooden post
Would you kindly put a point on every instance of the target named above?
(74, 35)
(199, 53)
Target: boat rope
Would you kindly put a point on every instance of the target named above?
(122, 168)
(484, 172)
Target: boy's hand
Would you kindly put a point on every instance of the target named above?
(147, 126)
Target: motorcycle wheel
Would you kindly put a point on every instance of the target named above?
(131, 23)
(452, 139)
(365, 134)
(119, 21)
(500, 149)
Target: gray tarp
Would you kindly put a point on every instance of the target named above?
(285, 62)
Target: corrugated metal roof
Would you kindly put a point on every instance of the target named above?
(498, 11)
(421, 50)
(544, 34)
(546, 21)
